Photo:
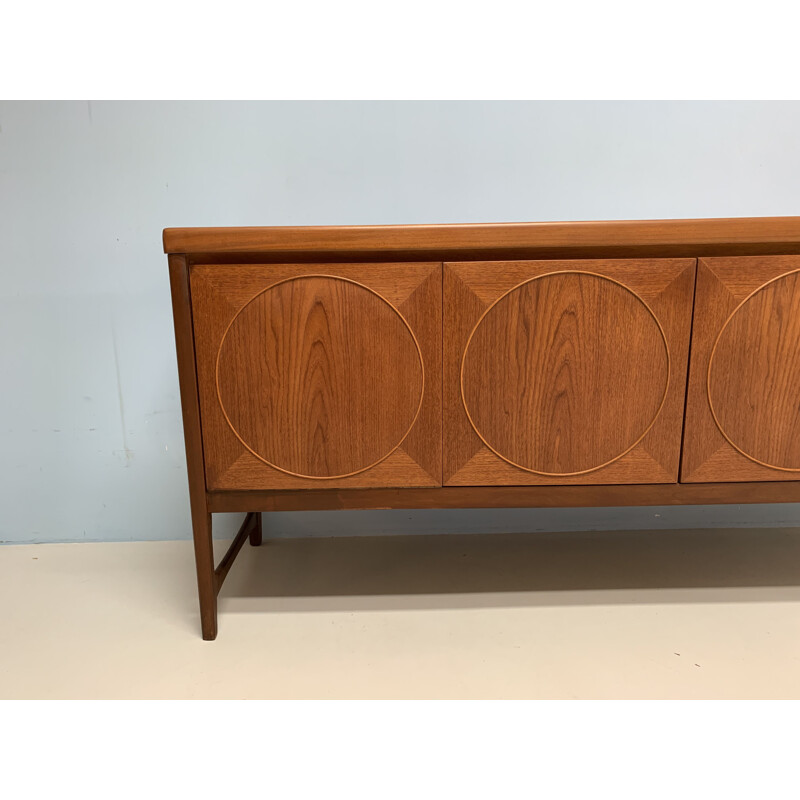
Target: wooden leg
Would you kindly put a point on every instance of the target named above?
(257, 533)
(206, 577)
(190, 404)
(210, 578)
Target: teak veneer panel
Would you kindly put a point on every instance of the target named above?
(320, 377)
(565, 373)
(560, 372)
(316, 375)
(743, 402)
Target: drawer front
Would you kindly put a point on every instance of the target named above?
(319, 375)
(743, 403)
(565, 372)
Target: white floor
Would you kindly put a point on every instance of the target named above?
(668, 614)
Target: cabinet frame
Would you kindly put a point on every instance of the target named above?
(438, 243)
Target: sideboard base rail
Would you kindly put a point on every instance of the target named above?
(668, 494)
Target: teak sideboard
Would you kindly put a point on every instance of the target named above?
(447, 366)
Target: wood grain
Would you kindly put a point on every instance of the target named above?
(665, 494)
(320, 377)
(565, 373)
(754, 375)
(743, 414)
(783, 231)
(571, 371)
(324, 374)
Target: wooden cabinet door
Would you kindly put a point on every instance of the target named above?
(564, 372)
(319, 375)
(743, 403)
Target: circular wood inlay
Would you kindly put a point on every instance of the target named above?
(565, 373)
(754, 375)
(320, 377)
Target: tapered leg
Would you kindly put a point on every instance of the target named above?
(206, 579)
(257, 533)
(190, 405)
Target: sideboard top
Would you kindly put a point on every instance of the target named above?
(777, 233)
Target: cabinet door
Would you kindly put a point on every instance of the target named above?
(319, 375)
(563, 372)
(743, 403)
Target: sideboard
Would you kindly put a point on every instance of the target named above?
(516, 365)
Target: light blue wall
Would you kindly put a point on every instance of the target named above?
(91, 443)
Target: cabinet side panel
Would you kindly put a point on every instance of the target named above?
(192, 433)
(187, 378)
